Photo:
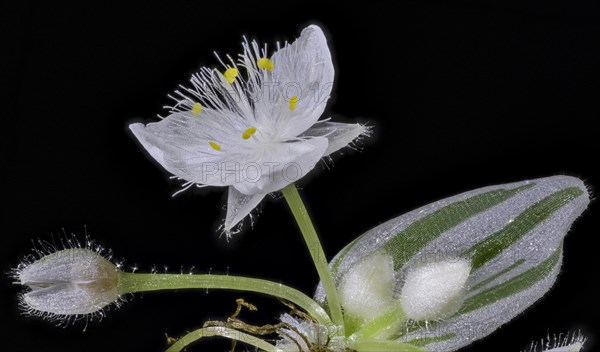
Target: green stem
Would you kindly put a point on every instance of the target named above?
(316, 251)
(130, 283)
(223, 332)
(383, 326)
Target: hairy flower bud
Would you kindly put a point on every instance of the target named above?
(73, 281)
(367, 290)
(569, 342)
(435, 290)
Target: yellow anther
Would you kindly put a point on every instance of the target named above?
(249, 132)
(197, 108)
(265, 63)
(293, 102)
(230, 74)
(215, 146)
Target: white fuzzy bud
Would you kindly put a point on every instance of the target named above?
(435, 291)
(72, 281)
(367, 290)
(574, 347)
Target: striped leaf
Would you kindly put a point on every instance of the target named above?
(511, 233)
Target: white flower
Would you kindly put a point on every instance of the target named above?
(252, 126)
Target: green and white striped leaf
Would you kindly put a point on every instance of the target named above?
(512, 234)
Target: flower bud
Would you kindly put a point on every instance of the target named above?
(569, 342)
(367, 289)
(72, 281)
(436, 290)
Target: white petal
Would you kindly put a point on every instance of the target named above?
(338, 134)
(180, 144)
(238, 206)
(160, 151)
(280, 164)
(303, 69)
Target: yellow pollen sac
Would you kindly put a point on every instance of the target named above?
(215, 146)
(249, 132)
(230, 74)
(293, 102)
(265, 64)
(197, 108)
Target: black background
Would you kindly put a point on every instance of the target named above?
(460, 95)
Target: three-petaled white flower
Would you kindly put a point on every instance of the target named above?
(253, 126)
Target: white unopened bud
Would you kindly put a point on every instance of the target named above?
(570, 342)
(73, 281)
(574, 347)
(367, 290)
(435, 291)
